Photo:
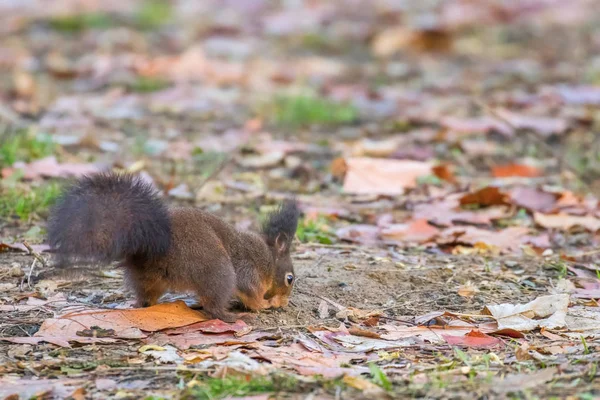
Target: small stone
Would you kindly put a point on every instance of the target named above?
(511, 264)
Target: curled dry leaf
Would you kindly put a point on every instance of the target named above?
(544, 312)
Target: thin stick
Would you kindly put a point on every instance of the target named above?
(35, 253)
(30, 272)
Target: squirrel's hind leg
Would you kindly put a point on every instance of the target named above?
(148, 287)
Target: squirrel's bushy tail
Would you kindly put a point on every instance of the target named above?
(108, 217)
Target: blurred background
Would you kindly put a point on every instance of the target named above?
(229, 103)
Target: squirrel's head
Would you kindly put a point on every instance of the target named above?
(279, 231)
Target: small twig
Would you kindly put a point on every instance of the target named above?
(35, 254)
(30, 272)
(333, 246)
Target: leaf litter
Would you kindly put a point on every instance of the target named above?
(448, 237)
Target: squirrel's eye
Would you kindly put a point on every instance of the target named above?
(289, 278)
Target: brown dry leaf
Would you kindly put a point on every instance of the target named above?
(459, 127)
(50, 168)
(544, 312)
(509, 239)
(11, 386)
(444, 172)
(446, 212)
(367, 387)
(187, 340)
(210, 326)
(356, 315)
(383, 176)
(307, 362)
(364, 234)
(468, 290)
(514, 382)
(416, 231)
(392, 40)
(487, 196)
(338, 168)
(126, 323)
(566, 222)
(510, 170)
(544, 126)
(533, 199)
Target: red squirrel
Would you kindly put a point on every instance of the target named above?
(119, 217)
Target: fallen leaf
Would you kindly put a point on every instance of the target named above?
(544, 312)
(416, 231)
(447, 212)
(185, 341)
(210, 326)
(510, 170)
(508, 239)
(50, 168)
(126, 323)
(544, 126)
(459, 127)
(383, 176)
(364, 234)
(467, 290)
(487, 196)
(474, 339)
(580, 95)
(533, 199)
(521, 381)
(323, 310)
(566, 222)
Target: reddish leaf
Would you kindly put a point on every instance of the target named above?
(509, 170)
(488, 196)
(475, 338)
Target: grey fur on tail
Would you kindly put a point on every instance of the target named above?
(107, 217)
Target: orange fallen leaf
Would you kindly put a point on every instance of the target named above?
(444, 172)
(383, 176)
(509, 170)
(126, 323)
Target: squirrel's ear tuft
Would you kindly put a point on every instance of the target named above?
(280, 226)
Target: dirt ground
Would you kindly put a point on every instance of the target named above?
(445, 157)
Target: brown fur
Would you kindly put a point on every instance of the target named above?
(205, 255)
